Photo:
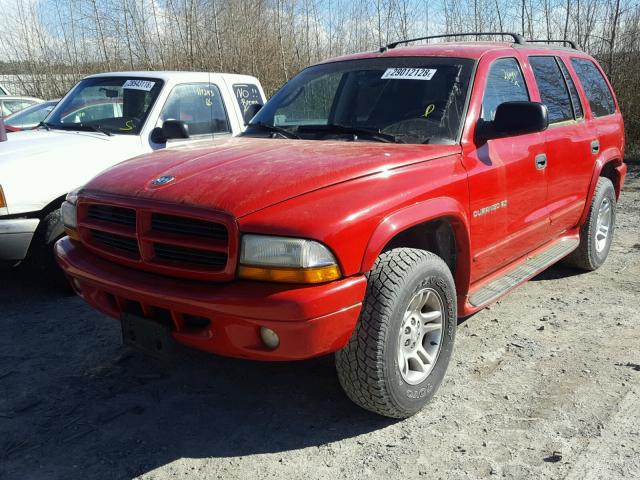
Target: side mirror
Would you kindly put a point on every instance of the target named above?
(251, 111)
(514, 118)
(170, 130)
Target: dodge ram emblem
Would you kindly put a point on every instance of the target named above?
(162, 180)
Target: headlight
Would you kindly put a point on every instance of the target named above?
(69, 214)
(284, 259)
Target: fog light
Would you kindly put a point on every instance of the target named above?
(269, 338)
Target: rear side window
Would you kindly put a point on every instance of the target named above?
(553, 89)
(505, 83)
(247, 94)
(575, 98)
(595, 87)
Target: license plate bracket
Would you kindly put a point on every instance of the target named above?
(147, 335)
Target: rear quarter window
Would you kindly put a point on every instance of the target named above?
(247, 94)
(595, 87)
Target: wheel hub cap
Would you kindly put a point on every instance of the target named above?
(603, 225)
(420, 336)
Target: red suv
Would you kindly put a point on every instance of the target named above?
(373, 200)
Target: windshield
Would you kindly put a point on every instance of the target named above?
(110, 104)
(401, 99)
(30, 116)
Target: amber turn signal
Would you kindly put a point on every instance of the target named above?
(290, 275)
(73, 234)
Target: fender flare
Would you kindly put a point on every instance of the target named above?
(611, 155)
(421, 212)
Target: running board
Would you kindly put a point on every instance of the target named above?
(523, 272)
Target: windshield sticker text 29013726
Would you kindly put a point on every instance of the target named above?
(145, 85)
(409, 74)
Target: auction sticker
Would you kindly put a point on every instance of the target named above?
(409, 74)
(145, 85)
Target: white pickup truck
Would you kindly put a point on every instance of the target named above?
(106, 119)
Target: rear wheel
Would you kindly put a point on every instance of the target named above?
(400, 349)
(597, 232)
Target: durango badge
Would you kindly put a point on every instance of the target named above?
(158, 182)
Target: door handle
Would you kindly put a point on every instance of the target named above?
(541, 161)
(595, 147)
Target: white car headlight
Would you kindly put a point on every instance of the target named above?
(285, 259)
(68, 210)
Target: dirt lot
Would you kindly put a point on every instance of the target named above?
(544, 384)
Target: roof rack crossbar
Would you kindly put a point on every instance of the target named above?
(519, 39)
(571, 43)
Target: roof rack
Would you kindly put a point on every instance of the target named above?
(519, 39)
(571, 43)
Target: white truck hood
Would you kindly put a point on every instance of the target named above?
(38, 166)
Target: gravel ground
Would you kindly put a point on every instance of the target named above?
(544, 384)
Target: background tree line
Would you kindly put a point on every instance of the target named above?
(49, 44)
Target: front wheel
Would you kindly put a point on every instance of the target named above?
(400, 349)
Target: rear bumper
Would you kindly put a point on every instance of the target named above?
(310, 320)
(15, 237)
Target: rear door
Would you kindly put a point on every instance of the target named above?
(569, 160)
(607, 130)
(507, 192)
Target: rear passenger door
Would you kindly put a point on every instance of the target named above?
(603, 116)
(569, 161)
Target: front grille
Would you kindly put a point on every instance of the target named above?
(188, 226)
(191, 256)
(163, 239)
(110, 214)
(116, 242)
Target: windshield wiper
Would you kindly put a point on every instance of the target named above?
(46, 125)
(97, 128)
(272, 128)
(374, 133)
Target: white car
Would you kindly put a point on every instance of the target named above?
(106, 119)
(11, 104)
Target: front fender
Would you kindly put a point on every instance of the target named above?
(421, 212)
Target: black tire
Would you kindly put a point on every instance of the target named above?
(368, 367)
(41, 257)
(586, 256)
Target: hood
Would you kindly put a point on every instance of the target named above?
(37, 166)
(244, 175)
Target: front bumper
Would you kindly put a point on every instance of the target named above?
(310, 320)
(15, 237)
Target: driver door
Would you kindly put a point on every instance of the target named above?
(507, 187)
(201, 107)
